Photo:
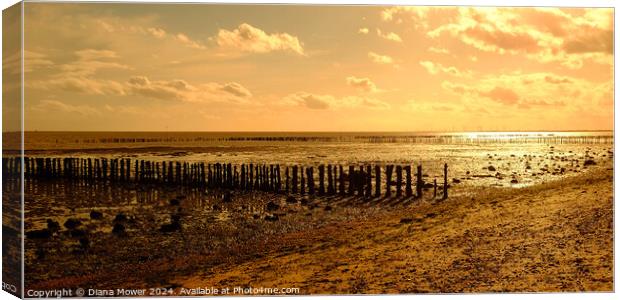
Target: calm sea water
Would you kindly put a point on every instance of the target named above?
(529, 157)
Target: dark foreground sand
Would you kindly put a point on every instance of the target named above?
(553, 237)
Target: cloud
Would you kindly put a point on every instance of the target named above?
(184, 39)
(363, 30)
(324, 102)
(417, 14)
(534, 90)
(180, 90)
(364, 84)
(438, 50)
(430, 106)
(380, 59)
(236, 89)
(247, 38)
(390, 36)
(79, 75)
(501, 95)
(567, 36)
(157, 32)
(51, 106)
(436, 68)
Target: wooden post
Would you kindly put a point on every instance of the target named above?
(445, 181)
(399, 181)
(434, 188)
(278, 179)
(360, 181)
(243, 186)
(330, 178)
(419, 182)
(388, 180)
(303, 182)
(294, 187)
(321, 180)
(341, 179)
(368, 181)
(408, 189)
(350, 190)
(310, 175)
(287, 182)
(377, 181)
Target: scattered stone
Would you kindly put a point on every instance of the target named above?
(39, 234)
(120, 217)
(76, 233)
(72, 223)
(84, 243)
(514, 181)
(456, 180)
(328, 208)
(52, 225)
(491, 168)
(227, 197)
(118, 229)
(96, 215)
(173, 226)
(175, 202)
(589, 162)
(272, 206)
(272, 218)
(291, 199)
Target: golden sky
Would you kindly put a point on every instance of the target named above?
(199, 67)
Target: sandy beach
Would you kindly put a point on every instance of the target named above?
(551, 237)
(554, 237)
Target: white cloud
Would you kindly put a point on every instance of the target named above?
(51, 106)
(247, 38)
(436, 68)
(323, 102)
(390, 36)
(380, 59)
(363, 83)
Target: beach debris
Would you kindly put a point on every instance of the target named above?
(84, 243)
(72, 223)
(120, 217)
(227, 197)
(589, 162)
(39, 234)
(52, 225)
(272, 218)
(96, 215)
(76, 233)
(174, 225)
(118, 229)
(272, 206)
(291, 199)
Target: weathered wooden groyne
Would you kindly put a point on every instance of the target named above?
(321, 180)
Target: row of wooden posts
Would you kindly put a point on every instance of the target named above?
(332, 179)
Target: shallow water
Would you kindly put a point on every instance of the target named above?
(468, 154)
